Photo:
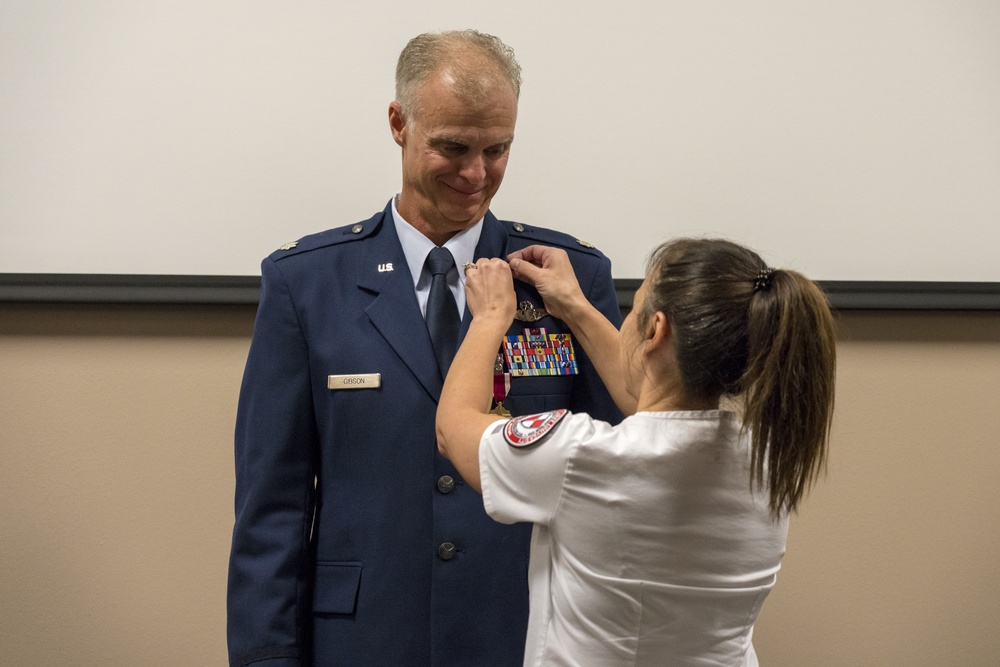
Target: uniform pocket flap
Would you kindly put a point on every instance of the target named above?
(336, 588)
(544, 385)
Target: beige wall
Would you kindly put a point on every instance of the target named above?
(116, 492)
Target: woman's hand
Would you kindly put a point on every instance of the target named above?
(489, 292)
(463, 409)
(550, 271)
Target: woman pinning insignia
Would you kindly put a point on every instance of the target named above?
(655, 541)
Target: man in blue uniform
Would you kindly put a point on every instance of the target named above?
(356, 543)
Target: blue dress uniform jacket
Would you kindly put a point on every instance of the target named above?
(356, 543)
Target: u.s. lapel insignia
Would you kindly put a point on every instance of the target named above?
(526, 312)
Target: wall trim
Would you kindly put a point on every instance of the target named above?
(245, 290)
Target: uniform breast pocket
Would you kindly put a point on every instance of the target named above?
(528, 395)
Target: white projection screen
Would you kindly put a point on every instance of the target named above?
(852, 140)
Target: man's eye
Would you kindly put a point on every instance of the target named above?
(453, 149)
(495, 152)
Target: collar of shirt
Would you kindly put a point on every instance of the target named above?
(415, 249)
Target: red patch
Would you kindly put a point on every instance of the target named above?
(529, 429)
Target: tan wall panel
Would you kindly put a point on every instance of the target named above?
(892, 560)
(116, 483)
(116, 492)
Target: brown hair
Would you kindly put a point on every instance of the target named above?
(476, 64)
(764, 336)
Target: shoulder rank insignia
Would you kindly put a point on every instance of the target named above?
(585, 244)
(288, 246)
(526, 312)
(528, 430)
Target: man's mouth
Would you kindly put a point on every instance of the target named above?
(463, 192)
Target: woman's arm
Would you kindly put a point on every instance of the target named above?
(550, 271)
(463, 410)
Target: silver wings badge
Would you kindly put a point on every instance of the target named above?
(526, 312)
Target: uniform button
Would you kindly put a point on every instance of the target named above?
(446, 551)
(446, 483)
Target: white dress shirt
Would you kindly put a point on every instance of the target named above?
(416, 246)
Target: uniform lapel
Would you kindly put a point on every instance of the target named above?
(492, 243)
(394, 312)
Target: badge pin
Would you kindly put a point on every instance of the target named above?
(526, 312)
(288, 246)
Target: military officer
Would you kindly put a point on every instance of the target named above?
(355, 542)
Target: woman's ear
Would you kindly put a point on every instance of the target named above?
(659, 332)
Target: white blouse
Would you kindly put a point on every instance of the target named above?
(649, 547)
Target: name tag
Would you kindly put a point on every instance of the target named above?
(362, 381)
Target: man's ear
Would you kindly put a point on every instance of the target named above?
(397, 123)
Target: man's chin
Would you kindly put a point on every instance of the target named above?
(466, 216)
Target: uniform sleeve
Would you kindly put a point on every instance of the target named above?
(275, 443)
(526, 483)
(589, 394)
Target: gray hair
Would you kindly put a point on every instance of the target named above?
(475, 61)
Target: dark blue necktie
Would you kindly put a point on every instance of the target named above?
(442, 311)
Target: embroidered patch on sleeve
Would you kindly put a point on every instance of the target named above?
(527, 430)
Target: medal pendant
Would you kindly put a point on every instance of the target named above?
(500, 410)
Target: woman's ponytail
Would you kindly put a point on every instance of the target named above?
(762, 335)
(788, 385)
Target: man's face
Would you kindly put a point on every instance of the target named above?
(454, 156)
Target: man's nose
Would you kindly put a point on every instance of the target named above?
(474, 169)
